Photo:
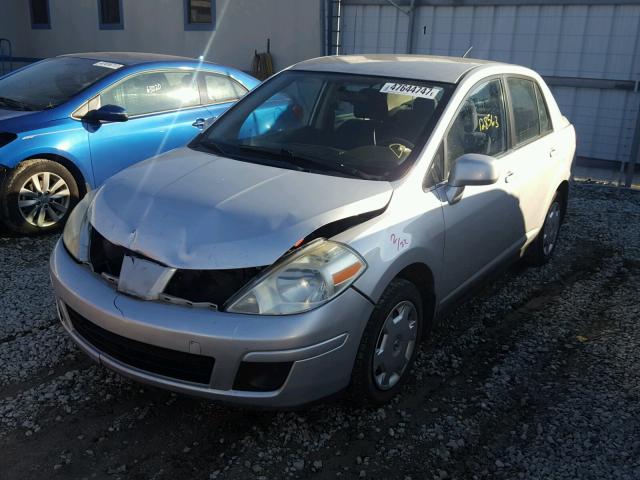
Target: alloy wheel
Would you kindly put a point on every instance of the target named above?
(44, 199)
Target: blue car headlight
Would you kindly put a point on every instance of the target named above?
(6, 138)
(77, 231)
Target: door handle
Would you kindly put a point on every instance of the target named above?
(552, 151)
(199, 123)
(507, 176)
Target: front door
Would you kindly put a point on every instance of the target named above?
(486, 223)
(165, 112)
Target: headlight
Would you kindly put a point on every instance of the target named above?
(76, 231)
(304, 280)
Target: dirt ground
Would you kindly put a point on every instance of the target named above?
(537, 377)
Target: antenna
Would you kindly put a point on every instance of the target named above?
(467, 52)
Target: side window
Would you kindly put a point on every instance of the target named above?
(545, 119)
(219, 88)
(153, 92)
(479, 126)
(525, 109)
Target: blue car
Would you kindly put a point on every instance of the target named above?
(68, 123)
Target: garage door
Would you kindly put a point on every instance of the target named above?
(589, 54)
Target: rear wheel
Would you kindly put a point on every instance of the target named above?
(389, 343)
(38, 196)
(542, 248)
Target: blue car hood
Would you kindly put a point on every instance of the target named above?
(194, 210)
(7, 114)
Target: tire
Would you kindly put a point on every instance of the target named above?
(541, 249)
(37, 197)
(367, 381)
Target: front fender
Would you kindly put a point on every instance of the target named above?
(410, 231)
(68, 140)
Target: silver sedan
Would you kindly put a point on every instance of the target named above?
(306, 241)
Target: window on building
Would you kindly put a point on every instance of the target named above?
(479, 126)
(199, 14)
(222, 89)
(153, 93)
(110, 13)
(40, 14)
(526, 118)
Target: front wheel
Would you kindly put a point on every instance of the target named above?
(388, 346)
(542, 248)
(37, 197)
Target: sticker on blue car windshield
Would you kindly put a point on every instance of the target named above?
(411, 90)
(113, 66)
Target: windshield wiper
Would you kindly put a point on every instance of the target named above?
(303, 162)
(16, 104)
(211, 147)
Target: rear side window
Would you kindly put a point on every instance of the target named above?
(219, 88)
(545, 120)
(524, 102)
(154, 92)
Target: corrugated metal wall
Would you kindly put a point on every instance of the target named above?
(560, 41)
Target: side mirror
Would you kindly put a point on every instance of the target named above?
(107, 113)
(471, 169)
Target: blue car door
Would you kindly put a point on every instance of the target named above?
(165, 112)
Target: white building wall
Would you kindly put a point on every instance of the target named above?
(157, 26)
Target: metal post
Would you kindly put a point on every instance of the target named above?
(338, 18)
(6, 56)
(635, 153)
(412, 17)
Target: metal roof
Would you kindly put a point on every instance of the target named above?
(130, 58)
(423, 67)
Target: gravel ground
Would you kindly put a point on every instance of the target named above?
(537, 377)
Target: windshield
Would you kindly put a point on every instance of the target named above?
(51, 82)
(349, 125)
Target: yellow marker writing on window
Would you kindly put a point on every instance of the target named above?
(488, 121)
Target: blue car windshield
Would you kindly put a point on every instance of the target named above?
(336, 124)
(51, 82)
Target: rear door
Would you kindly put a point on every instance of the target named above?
(534, 150)
(165, 112)
(219, 93)
(486, 224)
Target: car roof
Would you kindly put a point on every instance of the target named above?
(415, 67)
(130, 58)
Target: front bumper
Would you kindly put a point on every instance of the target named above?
(320, 345)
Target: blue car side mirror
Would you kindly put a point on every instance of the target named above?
(107, 113)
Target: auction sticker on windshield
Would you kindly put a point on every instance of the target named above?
(411, 90)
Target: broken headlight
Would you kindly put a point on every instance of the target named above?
(77, 230)
(302, 281)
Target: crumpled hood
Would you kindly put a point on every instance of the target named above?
(194, 210)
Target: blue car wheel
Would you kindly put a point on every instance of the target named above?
(38, 196)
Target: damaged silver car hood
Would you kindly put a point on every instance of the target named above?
(194, 210)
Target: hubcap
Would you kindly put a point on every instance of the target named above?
(44, 199)
(551, 228)
(395, 345)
